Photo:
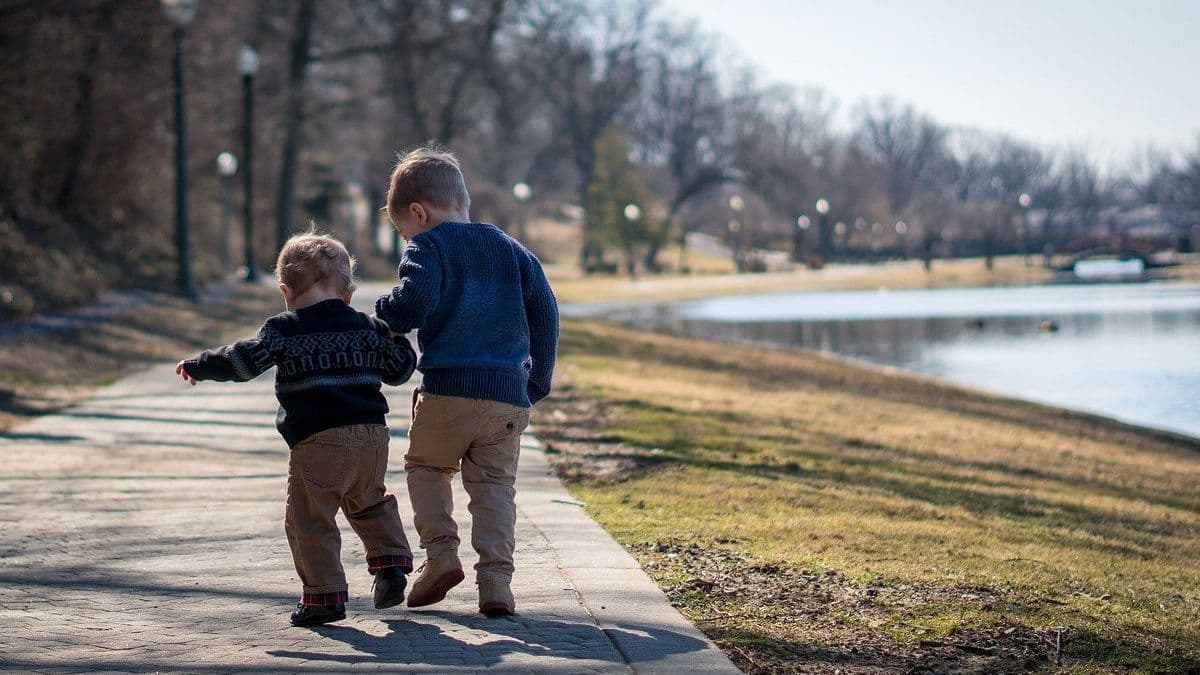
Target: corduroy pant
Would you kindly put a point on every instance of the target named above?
(341, 468)
(483, 438)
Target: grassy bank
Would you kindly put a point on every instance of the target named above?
(45, 371)
(810, 513)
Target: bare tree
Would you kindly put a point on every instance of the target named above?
(590, 64)
(785, 152)
(679, 124)
(906, 144)
(1081, 192)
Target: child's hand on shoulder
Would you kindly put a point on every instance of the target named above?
(181, 370)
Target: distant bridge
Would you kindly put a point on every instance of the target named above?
(1117, 256)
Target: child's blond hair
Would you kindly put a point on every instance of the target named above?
(429, 174)
(311, 258)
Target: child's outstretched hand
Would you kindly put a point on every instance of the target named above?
(182, 372)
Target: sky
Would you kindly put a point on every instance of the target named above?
(1104, 76)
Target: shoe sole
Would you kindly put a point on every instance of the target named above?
(440, 588)
(319, 621)
(496, 609)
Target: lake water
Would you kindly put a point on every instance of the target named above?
(1128, 351)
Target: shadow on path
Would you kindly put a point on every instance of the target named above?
(410, 642)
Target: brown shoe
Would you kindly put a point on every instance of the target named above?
(495, 595)
(435, 578)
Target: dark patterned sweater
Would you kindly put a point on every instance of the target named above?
(330, 360)
(486, 319)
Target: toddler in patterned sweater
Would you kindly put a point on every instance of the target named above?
(330, 362)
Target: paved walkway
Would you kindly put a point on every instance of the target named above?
(143, 531)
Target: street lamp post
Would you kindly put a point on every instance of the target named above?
(180, 12)
(841, 230)
(736, 204)
(227, 166)
(823, 235)
(799, 238)
(1025, 201)
(522, 192)
(876, 241)
(633, 213)
(248, 67)
(902, 236)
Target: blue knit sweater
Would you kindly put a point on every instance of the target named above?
(486, 319)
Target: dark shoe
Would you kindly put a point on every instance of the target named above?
(389, 587)
(315, 615)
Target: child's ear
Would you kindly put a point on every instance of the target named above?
(286, 290)
(419, 211)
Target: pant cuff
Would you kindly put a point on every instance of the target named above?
(330, 598)
(381, 562)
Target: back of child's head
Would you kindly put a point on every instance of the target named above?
(309, 259)
(431, 175)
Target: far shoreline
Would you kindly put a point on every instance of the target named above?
(572, 287)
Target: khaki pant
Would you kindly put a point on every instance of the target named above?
(341, 468)
(484, 438)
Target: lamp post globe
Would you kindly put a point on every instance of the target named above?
(632, 212)
(248, 61)
(522, 192)
(227, 164)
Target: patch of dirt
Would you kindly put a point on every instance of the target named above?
(568, 425)
(775, 618)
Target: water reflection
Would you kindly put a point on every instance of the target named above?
(1128, 352)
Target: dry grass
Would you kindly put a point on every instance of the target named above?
(49, 371)
(969, 515)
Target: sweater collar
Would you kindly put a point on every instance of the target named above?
(330, 305)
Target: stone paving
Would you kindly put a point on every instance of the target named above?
(142, 532)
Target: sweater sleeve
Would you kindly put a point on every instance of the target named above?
(399, 359)
(541, 311)
(417, 294)
(239, 362)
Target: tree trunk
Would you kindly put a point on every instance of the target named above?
(81, 141)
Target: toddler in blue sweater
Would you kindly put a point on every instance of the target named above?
(487, 328)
